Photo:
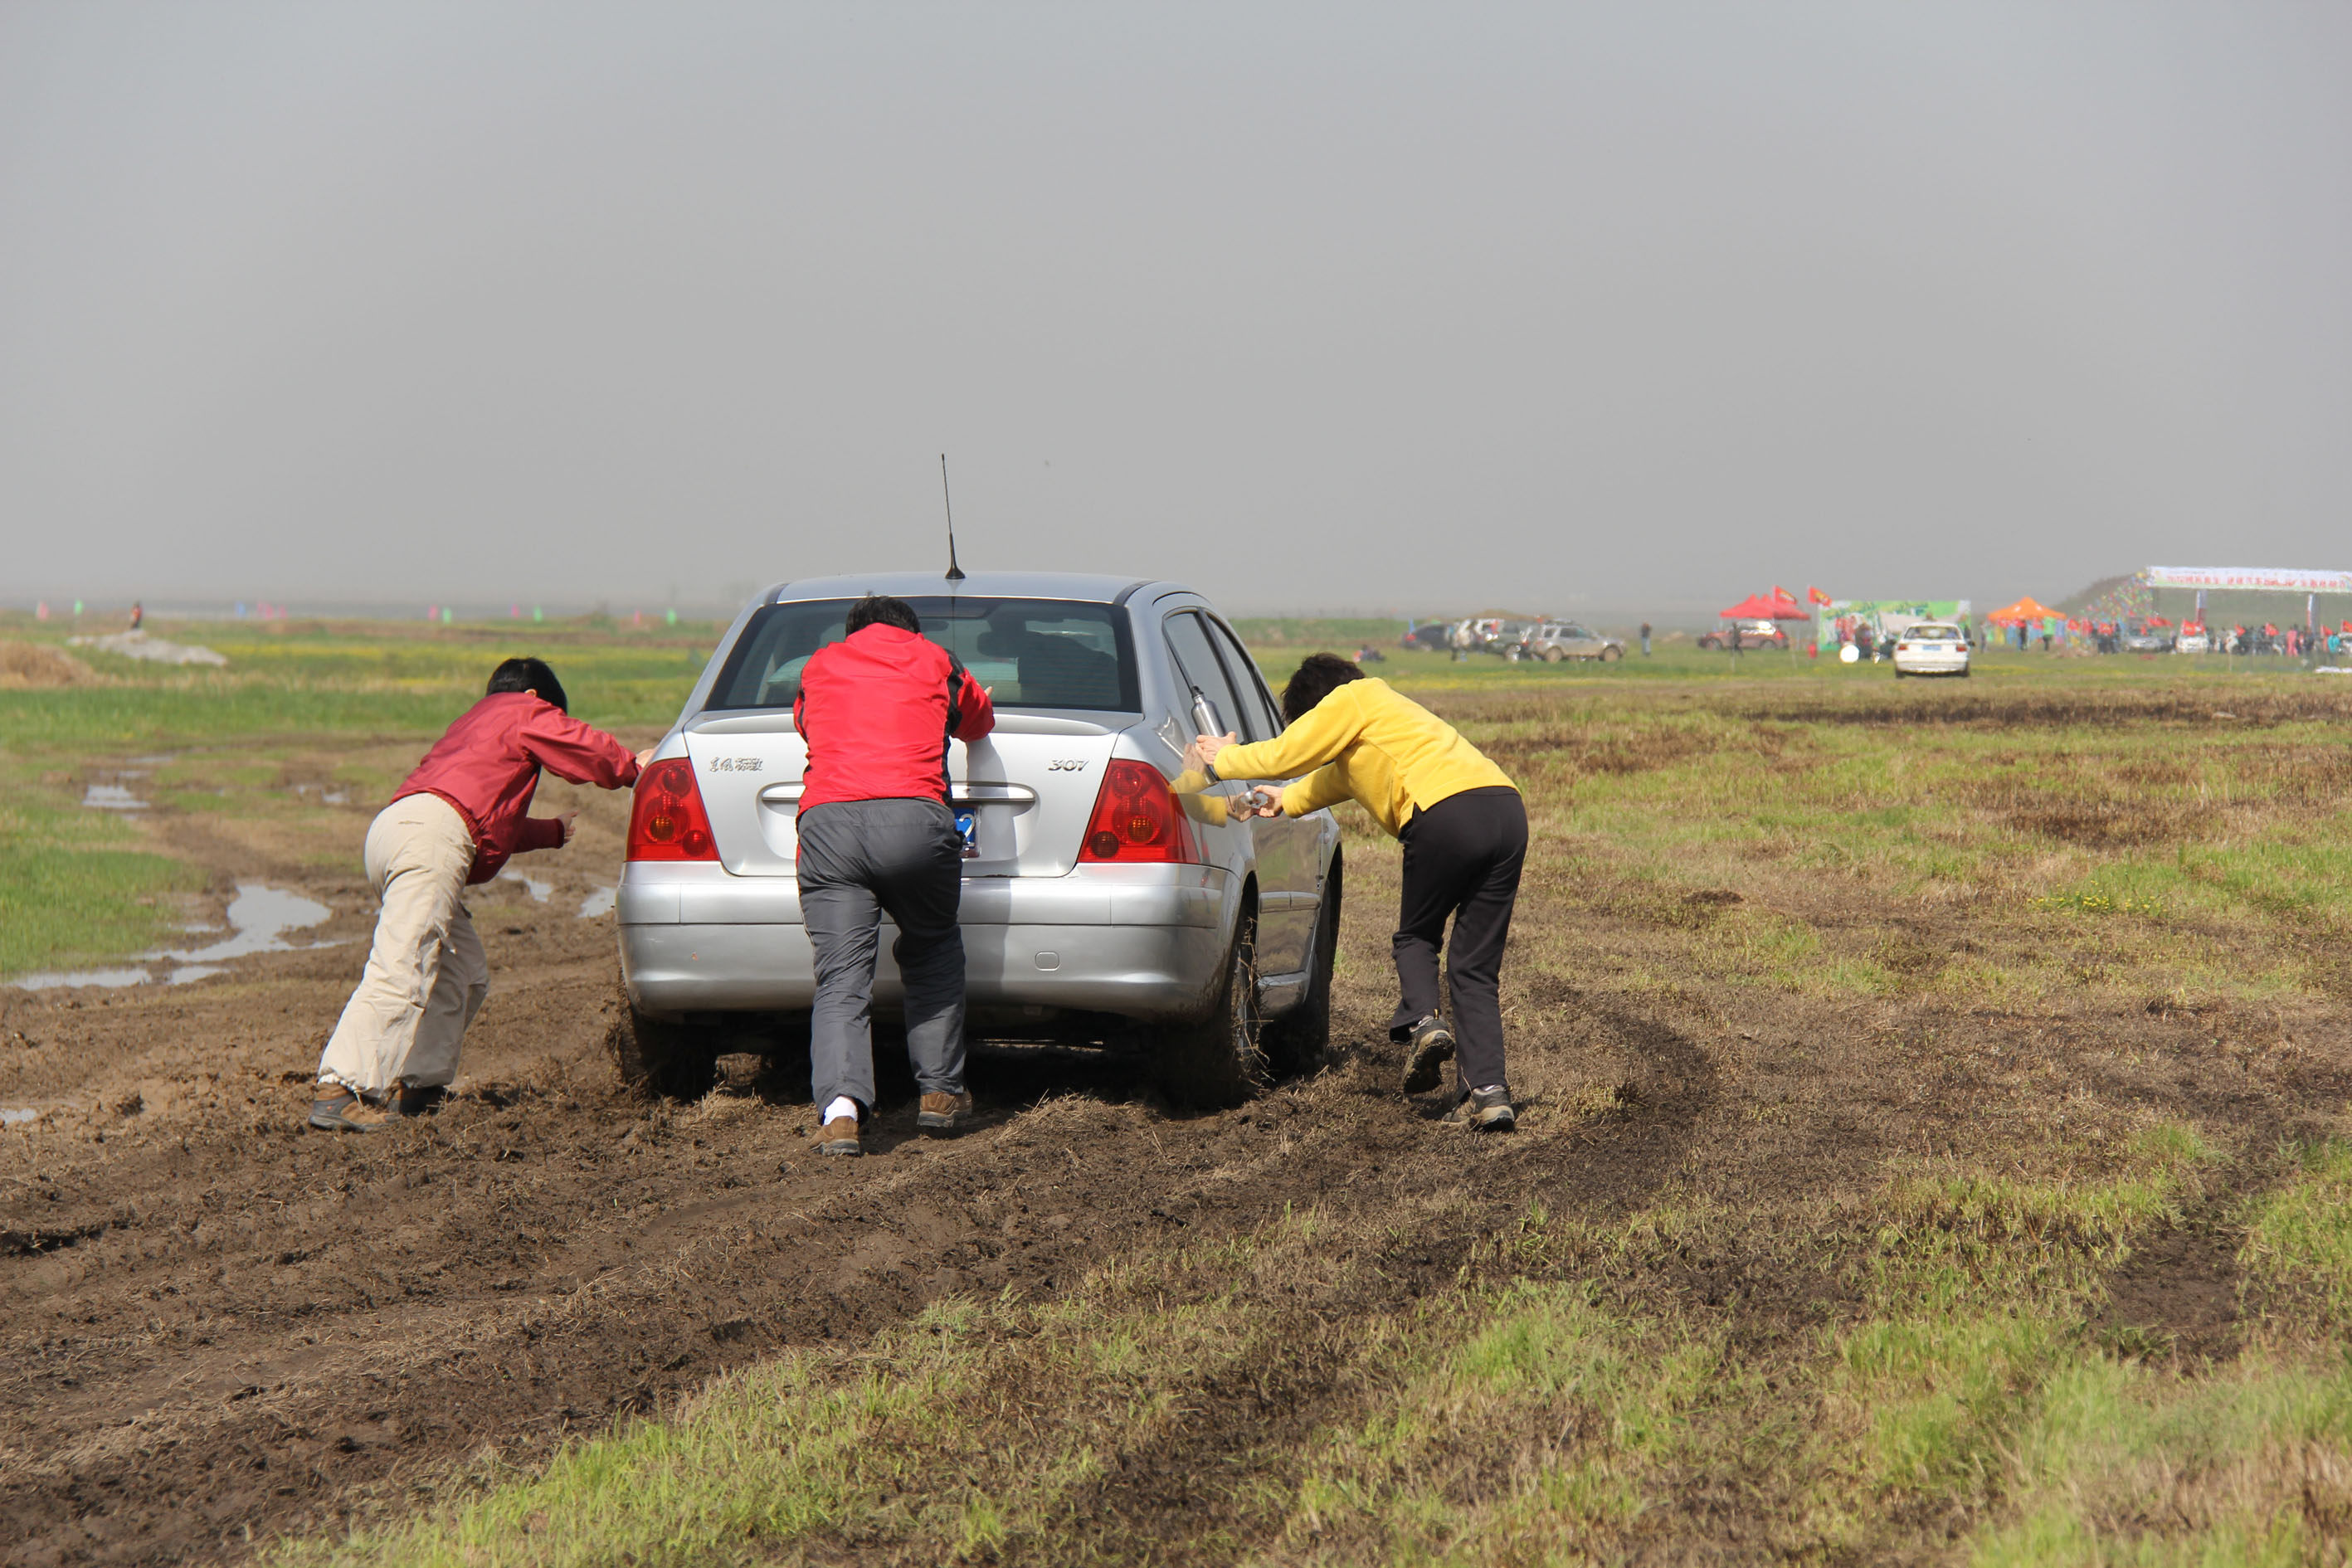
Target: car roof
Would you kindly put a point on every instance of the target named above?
(1088, 587)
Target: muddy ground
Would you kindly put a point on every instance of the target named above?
(216, 1329)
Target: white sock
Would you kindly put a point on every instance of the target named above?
(842, 1106)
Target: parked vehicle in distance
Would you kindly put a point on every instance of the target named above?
(1931, 648)
(1752, 634)
(2193, 639)
(1553, 641)
(1099, 906)
(1503, 637)
(1436, 637)
(2138, 636)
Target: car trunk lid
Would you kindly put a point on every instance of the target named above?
(1030, 786)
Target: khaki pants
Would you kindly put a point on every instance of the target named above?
(426, 974)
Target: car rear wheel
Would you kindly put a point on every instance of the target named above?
(1218, 1059)
(1611, 654)
(662, 1057)
(1553, 656)
(1300, 1040)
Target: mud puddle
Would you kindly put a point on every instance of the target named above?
(260, 918)
(112, 796)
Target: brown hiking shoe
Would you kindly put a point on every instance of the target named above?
(1432, 1048)
(340, 1110)
(940, 1114)
(840, 1137)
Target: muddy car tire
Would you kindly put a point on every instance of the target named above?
(1300, 1040)
(1219, 1058)
(1612, 655)
(661, 1058)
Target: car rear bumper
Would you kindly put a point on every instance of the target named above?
(1141, 942)
(1931, 663)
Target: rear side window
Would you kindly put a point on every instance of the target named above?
(1188, 640)
(1030, 653)
(1248, 685)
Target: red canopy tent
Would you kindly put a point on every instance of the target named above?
(1756, 608)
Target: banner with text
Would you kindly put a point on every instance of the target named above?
(2271, 579)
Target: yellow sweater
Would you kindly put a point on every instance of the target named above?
(1363, 742)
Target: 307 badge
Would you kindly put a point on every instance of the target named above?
(1066, 765)
(736, 765)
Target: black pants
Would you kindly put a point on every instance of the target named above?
(1461, 858)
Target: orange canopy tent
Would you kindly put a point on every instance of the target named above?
(2029, 608)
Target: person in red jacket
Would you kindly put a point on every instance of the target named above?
(454, 823)
(877, 711)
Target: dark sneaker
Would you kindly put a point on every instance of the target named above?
(1430, 1046)
(343, 1111)
(840, 1137)
(420, 1099)
(1487, 1110)
(940, 1114)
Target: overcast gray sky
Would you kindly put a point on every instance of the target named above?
(1634, 306)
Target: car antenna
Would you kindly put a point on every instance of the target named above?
(955, 573)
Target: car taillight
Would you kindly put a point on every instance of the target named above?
(668, 823)
(1137, 819)
(1903, 647)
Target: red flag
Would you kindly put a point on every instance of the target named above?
(1816, 597)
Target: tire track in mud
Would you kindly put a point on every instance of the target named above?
(1189, 1490)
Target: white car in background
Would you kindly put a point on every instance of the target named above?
(1931, 648)
(2193, 641)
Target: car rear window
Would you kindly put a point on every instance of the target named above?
(1934, 633)
(1030, 653)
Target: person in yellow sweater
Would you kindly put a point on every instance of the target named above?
(1465, 831)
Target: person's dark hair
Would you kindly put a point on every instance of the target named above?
(1319, 675)
(885, 609)
(528, 675)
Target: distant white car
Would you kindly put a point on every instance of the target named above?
(1931, 648)
(2195, 641)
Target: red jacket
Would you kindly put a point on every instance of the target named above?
(877, 711)
(487, 767)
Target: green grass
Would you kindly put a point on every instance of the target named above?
(62, 909)
(2121, 1464)
(2299, 1237)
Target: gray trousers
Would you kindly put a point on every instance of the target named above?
(859, 859)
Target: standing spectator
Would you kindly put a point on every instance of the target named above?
(138, 613)
(877, 711)
(1645, 639)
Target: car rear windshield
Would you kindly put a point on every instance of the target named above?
(1932, 633)
(1030, 653)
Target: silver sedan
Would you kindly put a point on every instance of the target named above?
(1099, 906)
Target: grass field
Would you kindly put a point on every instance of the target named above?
(1937, 1150)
